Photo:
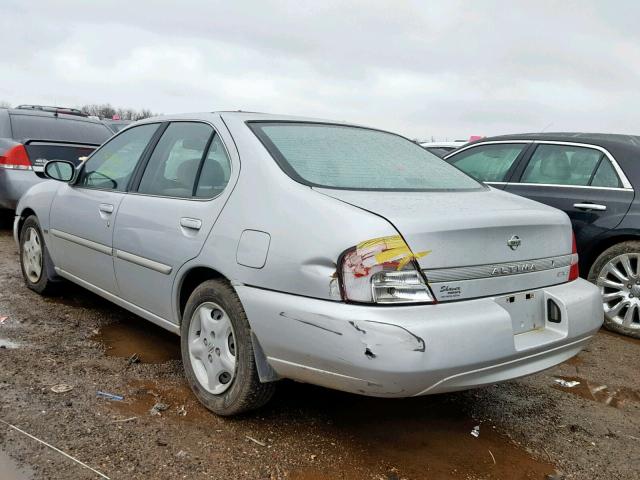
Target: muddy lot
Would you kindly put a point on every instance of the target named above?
(531, 428)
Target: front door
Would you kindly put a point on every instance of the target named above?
(83, 214)
(165, 220)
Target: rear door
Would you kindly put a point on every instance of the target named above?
(492, 163)
(164, 222)
(585, 181)
(82, 214)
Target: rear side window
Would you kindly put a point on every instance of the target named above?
(216, 171)
(173, 167)
(562, 165)
(352, 158)
(62, 129)
(606, 176)
(110, 168)
(488, 163)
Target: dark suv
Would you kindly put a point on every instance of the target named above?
(593, 178)
(31, 135)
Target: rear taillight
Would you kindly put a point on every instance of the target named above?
(383, 270)
(574, 271)
(15, 158)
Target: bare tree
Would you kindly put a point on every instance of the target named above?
(105, 110)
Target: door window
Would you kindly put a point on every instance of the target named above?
(606, 176)
(174, 164)
(563, 165)
(215, 171)
(111, 167)
(488, 163)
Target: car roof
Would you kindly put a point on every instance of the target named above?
(604, 140)
(44, 113)
(243, 116)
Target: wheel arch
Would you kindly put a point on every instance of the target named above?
(188, 282)
(604, 243)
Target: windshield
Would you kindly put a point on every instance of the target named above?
(354, 158)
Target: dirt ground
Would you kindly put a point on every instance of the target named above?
(530, 428)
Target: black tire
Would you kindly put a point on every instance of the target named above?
(246, 392)
(629, 247)
(46, 283)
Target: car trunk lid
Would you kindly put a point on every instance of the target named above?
(480, 243)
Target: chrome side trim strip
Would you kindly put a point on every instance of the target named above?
(515, 184)
(147, 315)
(495, 270)
(143, 262)
(98, 247)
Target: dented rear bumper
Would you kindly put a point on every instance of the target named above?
(405, 351)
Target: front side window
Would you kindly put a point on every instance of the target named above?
(562, 165)
(111, 167)
(488, 163)
(174, 164)
(345, 157)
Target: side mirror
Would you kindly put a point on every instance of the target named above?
(60, 170)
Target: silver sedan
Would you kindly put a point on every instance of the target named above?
(329, 253)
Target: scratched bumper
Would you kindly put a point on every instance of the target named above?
(416, 350)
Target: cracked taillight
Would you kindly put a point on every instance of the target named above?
(383, 270)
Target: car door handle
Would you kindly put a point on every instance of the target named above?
(590, 206)
(191, 223)
(105, 208)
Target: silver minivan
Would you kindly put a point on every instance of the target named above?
(324, 252)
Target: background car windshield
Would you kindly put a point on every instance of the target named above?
(338, 156)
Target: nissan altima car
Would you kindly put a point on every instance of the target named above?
(323, 252)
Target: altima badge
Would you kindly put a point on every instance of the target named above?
(514, 242)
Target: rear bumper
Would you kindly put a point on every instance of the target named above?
(13, 184)
(417, 350)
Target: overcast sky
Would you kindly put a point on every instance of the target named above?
(421, 68)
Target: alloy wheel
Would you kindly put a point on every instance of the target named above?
(619, 282)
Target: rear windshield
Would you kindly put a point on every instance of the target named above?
(353, 158)
(61, 129)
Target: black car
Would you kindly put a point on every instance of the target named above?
(30, 135)
(593, 178)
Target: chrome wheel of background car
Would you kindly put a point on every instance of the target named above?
(212, 348)
(32, 255)
(619, 282)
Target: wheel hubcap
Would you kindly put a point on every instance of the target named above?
(32, 255)
(619, 283)
(212, 348)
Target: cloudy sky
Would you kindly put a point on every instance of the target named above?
(447, 69)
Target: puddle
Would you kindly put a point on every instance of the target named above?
(141, 396)
(6, 343)
(9, 469)
(149, 342)
(614, 397)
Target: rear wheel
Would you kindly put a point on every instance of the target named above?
(617, 272)
(34, 258)
(217, 351)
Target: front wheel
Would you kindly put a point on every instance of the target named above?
(217, 351)
(34, 257)
(617, 272)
